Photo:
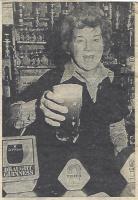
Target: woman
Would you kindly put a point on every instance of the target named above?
(85, 36)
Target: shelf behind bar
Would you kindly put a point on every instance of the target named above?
(32, 18)
(27, 42)
(37, 67)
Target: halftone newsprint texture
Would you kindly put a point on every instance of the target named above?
(69, 78)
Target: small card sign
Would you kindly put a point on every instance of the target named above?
(20, 164)
(74, 176)
(128, 169)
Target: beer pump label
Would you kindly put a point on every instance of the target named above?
(19, 159)
(128, 169)
(16, 171)
(74, 176)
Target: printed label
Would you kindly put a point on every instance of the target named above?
(17, 171)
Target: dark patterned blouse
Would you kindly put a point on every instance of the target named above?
(93, 148)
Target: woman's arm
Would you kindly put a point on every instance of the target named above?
(23, 112)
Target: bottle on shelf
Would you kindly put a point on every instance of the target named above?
(37, 59)
(27, 9)
(21, 57)
(21, 30)
(26, 59)
(17, 35)
(7, 53)
(52, 13)
(32, 59)
(110, 11)
(7, 47)
(39, 36)
(20, 13)
(130, 24)
(36, 20)
(18, 60)
(106, 9)
(6, 83)
(26, 35)
(65, 8)
(6, 96)
(44, 60)
(43, 36)
(43, 8)
(33, 36)
(117, 18)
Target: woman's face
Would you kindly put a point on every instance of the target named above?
(87, 47)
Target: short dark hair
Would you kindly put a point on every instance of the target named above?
(82, 16)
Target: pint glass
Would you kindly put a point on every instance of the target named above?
(72, 96)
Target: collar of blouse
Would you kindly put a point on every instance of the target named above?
(91, 81)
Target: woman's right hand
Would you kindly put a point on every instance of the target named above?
(53, 108)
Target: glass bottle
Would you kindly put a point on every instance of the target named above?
(6, 83)
(65, 8)
(21, 57)
(106, 9)
(110, 12)
(7, 55)
(32, 59)
(33, 36)
(37, 59)
(117, 15)
(18, 60)
(20, 11)
(26, 59)
(52, 15)
(36, 22)
(44, 60)
(39, 37)
(22, 34)
(27, 35)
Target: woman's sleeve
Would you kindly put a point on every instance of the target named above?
(119, 106)
(120, 110)
(111, 104)
(23, 111)
(118, 136)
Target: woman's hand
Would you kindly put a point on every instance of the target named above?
(52, 108)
